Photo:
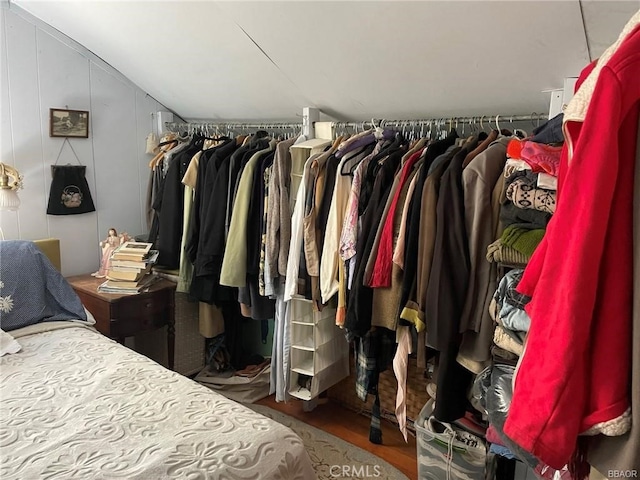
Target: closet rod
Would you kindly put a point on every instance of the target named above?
(453, 121)
(234, 125)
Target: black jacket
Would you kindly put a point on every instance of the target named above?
(447, 290)
(171, 216)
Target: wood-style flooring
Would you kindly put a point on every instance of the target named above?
(354, 428)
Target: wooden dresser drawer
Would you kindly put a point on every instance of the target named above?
(136, 324)
(148, 304)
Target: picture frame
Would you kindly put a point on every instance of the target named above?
(68, 123)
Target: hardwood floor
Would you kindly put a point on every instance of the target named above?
(354, 428)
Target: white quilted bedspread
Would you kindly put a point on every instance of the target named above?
(74, 404)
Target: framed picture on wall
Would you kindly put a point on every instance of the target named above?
(68, 123)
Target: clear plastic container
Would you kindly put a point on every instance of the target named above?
(438, 459)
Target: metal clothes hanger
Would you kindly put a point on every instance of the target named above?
(532, 115)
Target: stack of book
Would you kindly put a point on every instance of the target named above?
(130, 268)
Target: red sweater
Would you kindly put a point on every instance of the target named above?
(575, 371)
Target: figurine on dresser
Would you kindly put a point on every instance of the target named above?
(108, 245)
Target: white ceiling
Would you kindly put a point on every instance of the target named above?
(353, 60)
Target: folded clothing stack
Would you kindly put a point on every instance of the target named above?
(539, 156)
(529, 197)
(498, 252)
(522, 239)
(507, 310)
(524, 193)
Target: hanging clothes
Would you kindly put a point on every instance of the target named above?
(381, 275)
(265, 280)
(279, 211)
(584, 332)
(374, 354)
(446, 291)
(185, 273)
(158, 172)
(280, 357)
(234, 264)
(172, 211)
(207, 238)
(350, 227)
(398, 251)
(186, 267)
(420, 234)
(482, 212)
(282, 233)
(623, 452)
(297, 238)
(386, 300)
(262, 308)
(349, 235)
(250, 147)
(330, 261)
(380, 173)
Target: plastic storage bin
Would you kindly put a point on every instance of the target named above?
(436, 456)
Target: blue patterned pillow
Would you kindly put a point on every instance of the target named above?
(31, 289)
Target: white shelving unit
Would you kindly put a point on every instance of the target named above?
(318, 350)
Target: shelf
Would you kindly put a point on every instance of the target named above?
(309, 324)
(306, 369)
(304, 347)
(302, 394)
(301, 311)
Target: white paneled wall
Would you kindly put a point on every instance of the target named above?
(113, 105)
(7, 219)
(42, 69)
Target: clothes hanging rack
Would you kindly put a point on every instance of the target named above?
(194, 126)
(448, 121)
(451, 122)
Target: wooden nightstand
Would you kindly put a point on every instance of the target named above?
(119, 316)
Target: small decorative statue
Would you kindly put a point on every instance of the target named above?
(108, 245)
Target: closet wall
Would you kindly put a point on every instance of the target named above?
(42, 68)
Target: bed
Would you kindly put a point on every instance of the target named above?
(75, 404)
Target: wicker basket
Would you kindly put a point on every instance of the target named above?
(189, 348)
(344, 392)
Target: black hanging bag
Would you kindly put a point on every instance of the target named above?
(69, 193)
